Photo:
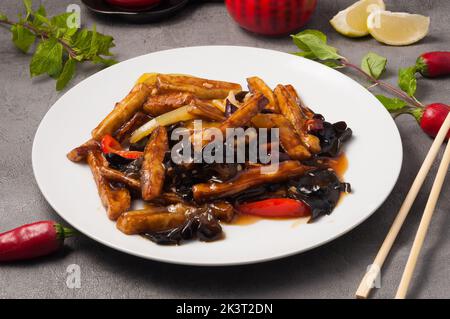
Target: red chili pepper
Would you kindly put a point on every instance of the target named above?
(33, 240)
(434, 64)
(111, 145)
(276, 207)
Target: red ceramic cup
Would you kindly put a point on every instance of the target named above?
(133, 4)
(271, 17)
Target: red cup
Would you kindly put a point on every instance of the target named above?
(271, 17)
(134, 4)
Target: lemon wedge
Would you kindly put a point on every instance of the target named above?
(352, 22)
(397, 28)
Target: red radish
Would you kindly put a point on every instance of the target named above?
(134, 4)
(434, 64)
(271, 17)
(33, 240)
(432, 117)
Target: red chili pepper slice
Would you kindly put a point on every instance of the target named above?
(111, 145)
(276, 207)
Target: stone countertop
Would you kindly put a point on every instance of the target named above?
(331, 271)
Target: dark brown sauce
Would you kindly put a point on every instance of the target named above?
(339, 165)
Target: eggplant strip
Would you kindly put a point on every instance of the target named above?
(206, 111)
(125, 131)
(153, 169)
(289, 139)
(256, 84)
(117, 176)
(247, 179)
(246, 112)
(201, 88)
(160, 218)
(80, 153)
(123, 111)
(293, 113)
(160, 104)
(305, 110)
(116, 201)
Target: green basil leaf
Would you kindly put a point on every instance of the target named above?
(298, 42)
(66, 74)
(22, 37)
(47, 58)
(374, 64)
(407, 80)
(391, 104)
(321, 50)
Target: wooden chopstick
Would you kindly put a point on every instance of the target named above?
(369, 278)
(424, 224)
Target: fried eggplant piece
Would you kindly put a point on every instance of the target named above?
(246, 112)
(205, 111)
(289, 139)
(160, 104)
(125, 131)
(159, 218)
(153, 169)
(151, 219)
(123, 111)
(305, 110)
(80, 153)
(201, 88)
(246, 179)
(116, 201)
(117, 176)
(256, 84)
(290, 109)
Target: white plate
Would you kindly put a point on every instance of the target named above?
(374, 153)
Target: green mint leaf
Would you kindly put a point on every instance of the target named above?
(407, 80)
(39, 20)
(3, 17)
(39, 15)
(28, 8)
(60, 20)
(391, 104)
(374, 64)
(66, 74)
(321, 50)
(47, 58)
(22, 37)
(306, 55)
(105, 62)
(299, 43)
(333, 64)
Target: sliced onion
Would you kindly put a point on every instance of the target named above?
(169, 118)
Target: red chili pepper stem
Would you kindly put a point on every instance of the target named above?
(64, 232)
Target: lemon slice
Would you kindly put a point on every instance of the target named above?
(352, 22)
(397, 28)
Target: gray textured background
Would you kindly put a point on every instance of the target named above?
(331, 271)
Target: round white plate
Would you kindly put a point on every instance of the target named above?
(374, 153)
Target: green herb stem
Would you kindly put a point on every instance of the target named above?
(387, 86)
(44, 35)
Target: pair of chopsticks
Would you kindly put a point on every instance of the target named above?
(373, 272)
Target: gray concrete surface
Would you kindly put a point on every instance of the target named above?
(331, 271)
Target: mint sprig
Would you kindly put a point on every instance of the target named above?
(59, 46)
(313, 45)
